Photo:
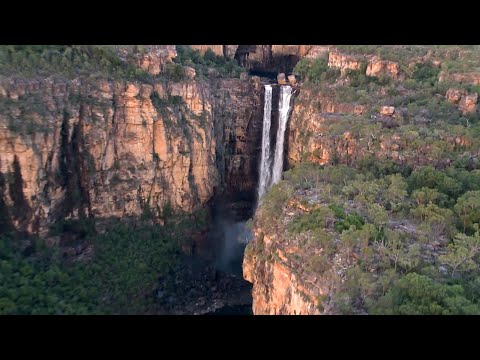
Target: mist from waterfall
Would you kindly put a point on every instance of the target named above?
(265, 162)
(284, 110)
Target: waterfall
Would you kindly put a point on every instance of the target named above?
(284, 109)
(265, 162)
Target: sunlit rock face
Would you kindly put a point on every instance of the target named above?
(112, 148)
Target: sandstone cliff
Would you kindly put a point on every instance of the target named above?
(114, 148)
(318, 133)
(271, 265)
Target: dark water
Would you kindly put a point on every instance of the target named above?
(230, 234)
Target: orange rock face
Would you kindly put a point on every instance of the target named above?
(378, 67)
(298, 50)
(318, 51)
(310, 133)
(153, 61)
(343, 62)
(276, 288)
(387, 110)
(121, 149)
(467, 103)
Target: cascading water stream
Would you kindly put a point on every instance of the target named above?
(271, 175)
(265, 162)
(284, 110)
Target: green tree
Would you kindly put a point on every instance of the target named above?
(210, 55)
(435, 220)
(461, 254)
(417, 294)
(378, 215)
(428, 177)
(468, 210)
(396, 191)
(393, 248)
(425, 195)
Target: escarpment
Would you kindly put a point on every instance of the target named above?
(102, 148)
(346, 230)
(379, 147)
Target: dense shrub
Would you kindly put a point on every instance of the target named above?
(223, 67)
(417, 294)
(426, 72)
(316, 71)
(120, 279)
(68, 61)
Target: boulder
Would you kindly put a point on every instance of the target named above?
(281, 79)
(387, 110)
(468, 104)
(292, 79)
(190, 72)
(256, 83)
(455, 95)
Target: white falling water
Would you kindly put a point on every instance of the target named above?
(265, 162)
(284, 109)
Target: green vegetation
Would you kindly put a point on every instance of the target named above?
(121, 277)
(207, 65)
(384, 225)
(456, 58)
(426, 72)
(88, 61)
(105, 62)
(417, 294)
(316, 71)
(311, 220)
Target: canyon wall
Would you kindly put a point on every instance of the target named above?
(272, 266)
(100, 148)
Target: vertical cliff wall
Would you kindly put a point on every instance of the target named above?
(112, 148)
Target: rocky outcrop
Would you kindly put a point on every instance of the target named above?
(292, 80)
(313, 135)
(290, 50)
(343, 62)
(103, 148)
(230, 50)
(150, 58)
(281, 79)
(378, 67)
(155, 57)
(387, 110)
(190, 72)
(278, 289)
(467, 103)
(318, 51)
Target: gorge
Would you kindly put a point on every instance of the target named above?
(152, 178)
